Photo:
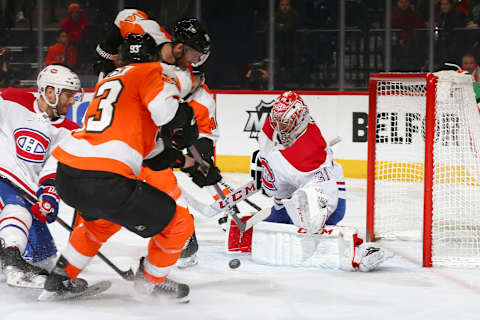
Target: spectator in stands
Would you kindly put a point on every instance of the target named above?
(318, 14)
(76, 24)
(8, 76)
(469, 64)
(449, 40)
(286, 23)
(257, 75)
(62, 52)
(405, 43)
(423, 7)
(474, 14)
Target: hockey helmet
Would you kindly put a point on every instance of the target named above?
(137, 48)
(289, 117)
(59, 78)
(191, 33)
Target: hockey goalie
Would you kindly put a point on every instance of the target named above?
(295, 166)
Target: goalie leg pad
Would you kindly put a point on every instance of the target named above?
(235, 240)
(289, 245)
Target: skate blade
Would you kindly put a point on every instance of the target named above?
(91, 290)
(19, 281)
(183, 263)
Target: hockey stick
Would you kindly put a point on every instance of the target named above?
(230, 200)
(127, 275)
(250, 203)
(204, 166)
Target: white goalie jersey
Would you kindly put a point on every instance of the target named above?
(27, 139)
(308, 162)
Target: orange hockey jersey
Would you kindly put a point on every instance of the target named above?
(203, 106)
(122, 121)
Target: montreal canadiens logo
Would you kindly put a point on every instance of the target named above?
(268, 178)
(31, 145)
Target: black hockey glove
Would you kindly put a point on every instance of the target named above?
(204, 176)
(182, 131)
(169, 158)
(204, 146)
(103, 65)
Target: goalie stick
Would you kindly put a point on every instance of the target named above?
(127, 275)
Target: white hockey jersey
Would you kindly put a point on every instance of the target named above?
(27, 138)
(306, 162)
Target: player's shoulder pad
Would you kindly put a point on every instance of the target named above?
(130, 15)
(66, 123)
(267, 128)
(22, 97)
(308, 152)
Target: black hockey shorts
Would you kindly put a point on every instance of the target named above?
(133, 204)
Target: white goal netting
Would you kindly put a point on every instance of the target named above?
(399, 166)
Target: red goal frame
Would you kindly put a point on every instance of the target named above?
(431, 83)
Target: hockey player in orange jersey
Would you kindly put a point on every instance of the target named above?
(100, 173)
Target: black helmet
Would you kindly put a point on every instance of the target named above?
(190, 32)
(138, 48)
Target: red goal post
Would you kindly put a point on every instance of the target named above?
(423, 180)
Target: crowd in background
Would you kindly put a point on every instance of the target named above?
(306, 36)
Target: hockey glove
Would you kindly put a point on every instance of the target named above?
(182, 131)
(205, 176)
(184, 137)
(46, 208)
(169, 158)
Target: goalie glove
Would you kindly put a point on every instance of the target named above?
(308, 208)
(46, 208)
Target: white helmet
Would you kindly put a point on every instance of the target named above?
(58, 77)
(289, 117)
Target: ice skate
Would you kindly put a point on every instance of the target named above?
(371, 257)
(20, 273)
(168, 288)
(59, 285)
(188, 257)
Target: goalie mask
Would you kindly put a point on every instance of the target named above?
(59, 78)
(289, 117)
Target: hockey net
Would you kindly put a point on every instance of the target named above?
(424, 164)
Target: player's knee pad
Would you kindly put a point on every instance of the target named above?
(100, 230)
(181, 226)
(15, 225)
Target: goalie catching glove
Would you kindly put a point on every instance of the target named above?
(308, 208)
(46, 208)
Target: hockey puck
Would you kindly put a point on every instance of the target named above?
(234, 264)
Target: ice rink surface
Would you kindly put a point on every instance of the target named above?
(399, 289)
